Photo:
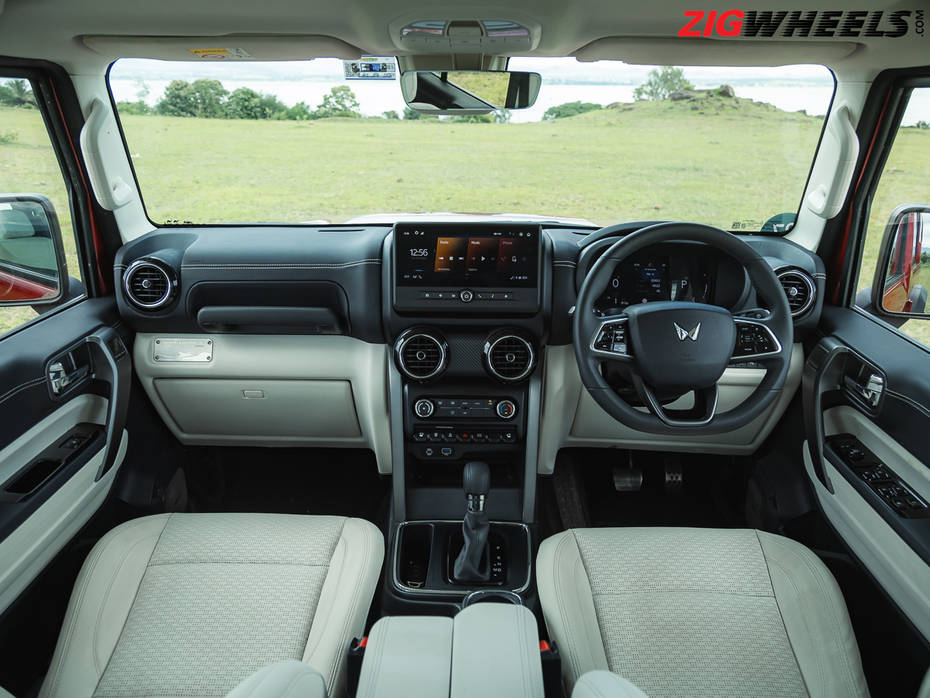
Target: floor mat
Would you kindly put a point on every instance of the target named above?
(712, 490)
(342, 482)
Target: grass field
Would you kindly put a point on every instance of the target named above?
(720, 161)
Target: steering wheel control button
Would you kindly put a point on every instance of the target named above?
(753, 339)
(466, 296)
(506, 409)
(424, 408)
(612, 338)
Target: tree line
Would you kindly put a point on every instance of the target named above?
(208, 99)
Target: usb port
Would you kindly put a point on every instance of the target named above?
(446, 451)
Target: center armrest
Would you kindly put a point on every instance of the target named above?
(488, 649)
(407, 657)
(495, 652)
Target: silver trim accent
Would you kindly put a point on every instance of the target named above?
(808, 281)
(134, 267)
(529, 366)
(400, 356)
(479, 594)
(750, 357)
(656, 408)
(403, 588)
(513, 405)
(597, 333)
(421, 401)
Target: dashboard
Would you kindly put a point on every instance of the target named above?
(305, 325)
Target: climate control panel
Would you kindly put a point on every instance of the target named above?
(465, 408)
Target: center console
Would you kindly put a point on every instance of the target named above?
(467, 316)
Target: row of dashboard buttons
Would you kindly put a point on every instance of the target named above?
(488, 436)
(466, 295)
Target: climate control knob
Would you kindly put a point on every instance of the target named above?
(424, 408)
(506, 409)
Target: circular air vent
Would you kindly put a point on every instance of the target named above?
(420, 355)
(509, 357)
(149, 284)
(800, 289)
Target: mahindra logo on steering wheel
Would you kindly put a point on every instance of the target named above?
(684, 334)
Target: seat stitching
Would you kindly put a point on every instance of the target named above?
(376, 667)
(569, 641)
(525, 661)
(290, 684)
(103, 603)
(600, 630)
(817, 574)
(352, 606)
(230, 562)
(133, 603)
(781, 616)
(680, 591)
(594, 688)
(340, 657)
(308, 651)
(72, 620)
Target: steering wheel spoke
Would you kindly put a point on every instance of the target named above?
(705, 406)
(610, 340)
(755, 339)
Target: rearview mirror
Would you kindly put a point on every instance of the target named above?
(902, 274)
(465, 92)
(32, 260)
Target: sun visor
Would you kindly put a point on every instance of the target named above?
(229, 47)
(714, 52)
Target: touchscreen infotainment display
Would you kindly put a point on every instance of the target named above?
(491, 256)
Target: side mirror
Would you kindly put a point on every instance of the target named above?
(902, 274)
(33, 270)
(466, 92)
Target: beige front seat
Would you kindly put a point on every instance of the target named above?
(686, 612)
(191, 604)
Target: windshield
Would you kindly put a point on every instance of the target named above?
(294, 142)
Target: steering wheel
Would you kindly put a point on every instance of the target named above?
(669, 348)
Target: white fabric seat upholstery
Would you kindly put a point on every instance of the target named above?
(191, 604)
(698, 612)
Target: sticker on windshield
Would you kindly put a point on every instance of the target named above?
(221, 54)
(370, 68)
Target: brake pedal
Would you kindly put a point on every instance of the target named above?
(629, 477)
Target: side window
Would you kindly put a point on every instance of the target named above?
(904, 181)
(29, 166)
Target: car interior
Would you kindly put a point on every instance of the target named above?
(483, 445)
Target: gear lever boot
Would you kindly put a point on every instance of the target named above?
(472, 564)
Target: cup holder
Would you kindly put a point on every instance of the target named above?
(491, 596)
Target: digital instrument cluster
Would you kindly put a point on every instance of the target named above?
(656, 277)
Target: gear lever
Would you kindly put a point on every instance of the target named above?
(472, 564)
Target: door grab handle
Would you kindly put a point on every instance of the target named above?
(872, 390)
(60, 379)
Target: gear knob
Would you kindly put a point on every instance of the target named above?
(476, 481)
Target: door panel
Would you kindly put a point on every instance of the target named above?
(61, 444)
(868, 453)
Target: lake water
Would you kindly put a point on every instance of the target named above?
(377, 97)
